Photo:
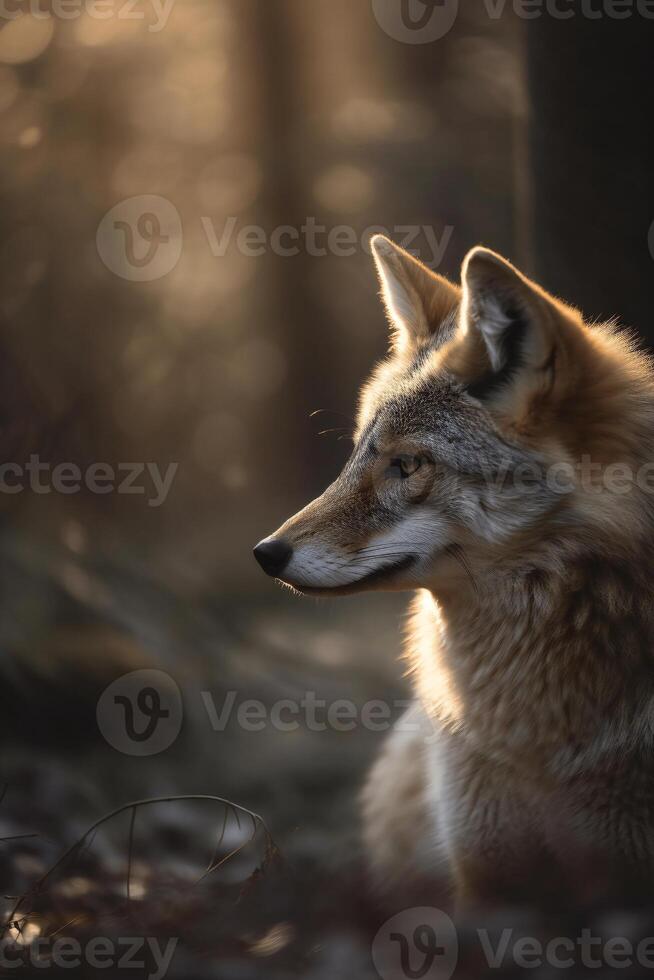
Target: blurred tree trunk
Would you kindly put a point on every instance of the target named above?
(593, 203)
(307, 339)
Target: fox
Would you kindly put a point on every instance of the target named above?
(502, 472)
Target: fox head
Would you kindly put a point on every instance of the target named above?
(468, 436)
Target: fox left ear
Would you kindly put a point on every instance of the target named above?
(419, 303)
(515, 340)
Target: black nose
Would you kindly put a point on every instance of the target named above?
(273, 555)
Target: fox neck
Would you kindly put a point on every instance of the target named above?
(546, 668)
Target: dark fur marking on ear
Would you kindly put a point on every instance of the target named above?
(420, 358)
(437, 339)
(512, 359)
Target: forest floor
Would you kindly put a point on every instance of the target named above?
(276, 720)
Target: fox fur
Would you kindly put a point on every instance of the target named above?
(525, 768)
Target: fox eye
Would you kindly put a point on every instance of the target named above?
(402, 467)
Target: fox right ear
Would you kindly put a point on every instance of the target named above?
(517, 345)
(419, 303)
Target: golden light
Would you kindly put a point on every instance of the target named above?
(274, 940)
(26, 934)
(25, 38)
(30, 137)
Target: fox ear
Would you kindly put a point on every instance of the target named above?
(514, 338)
(419, 303)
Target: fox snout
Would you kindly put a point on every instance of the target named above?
(273, 554)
